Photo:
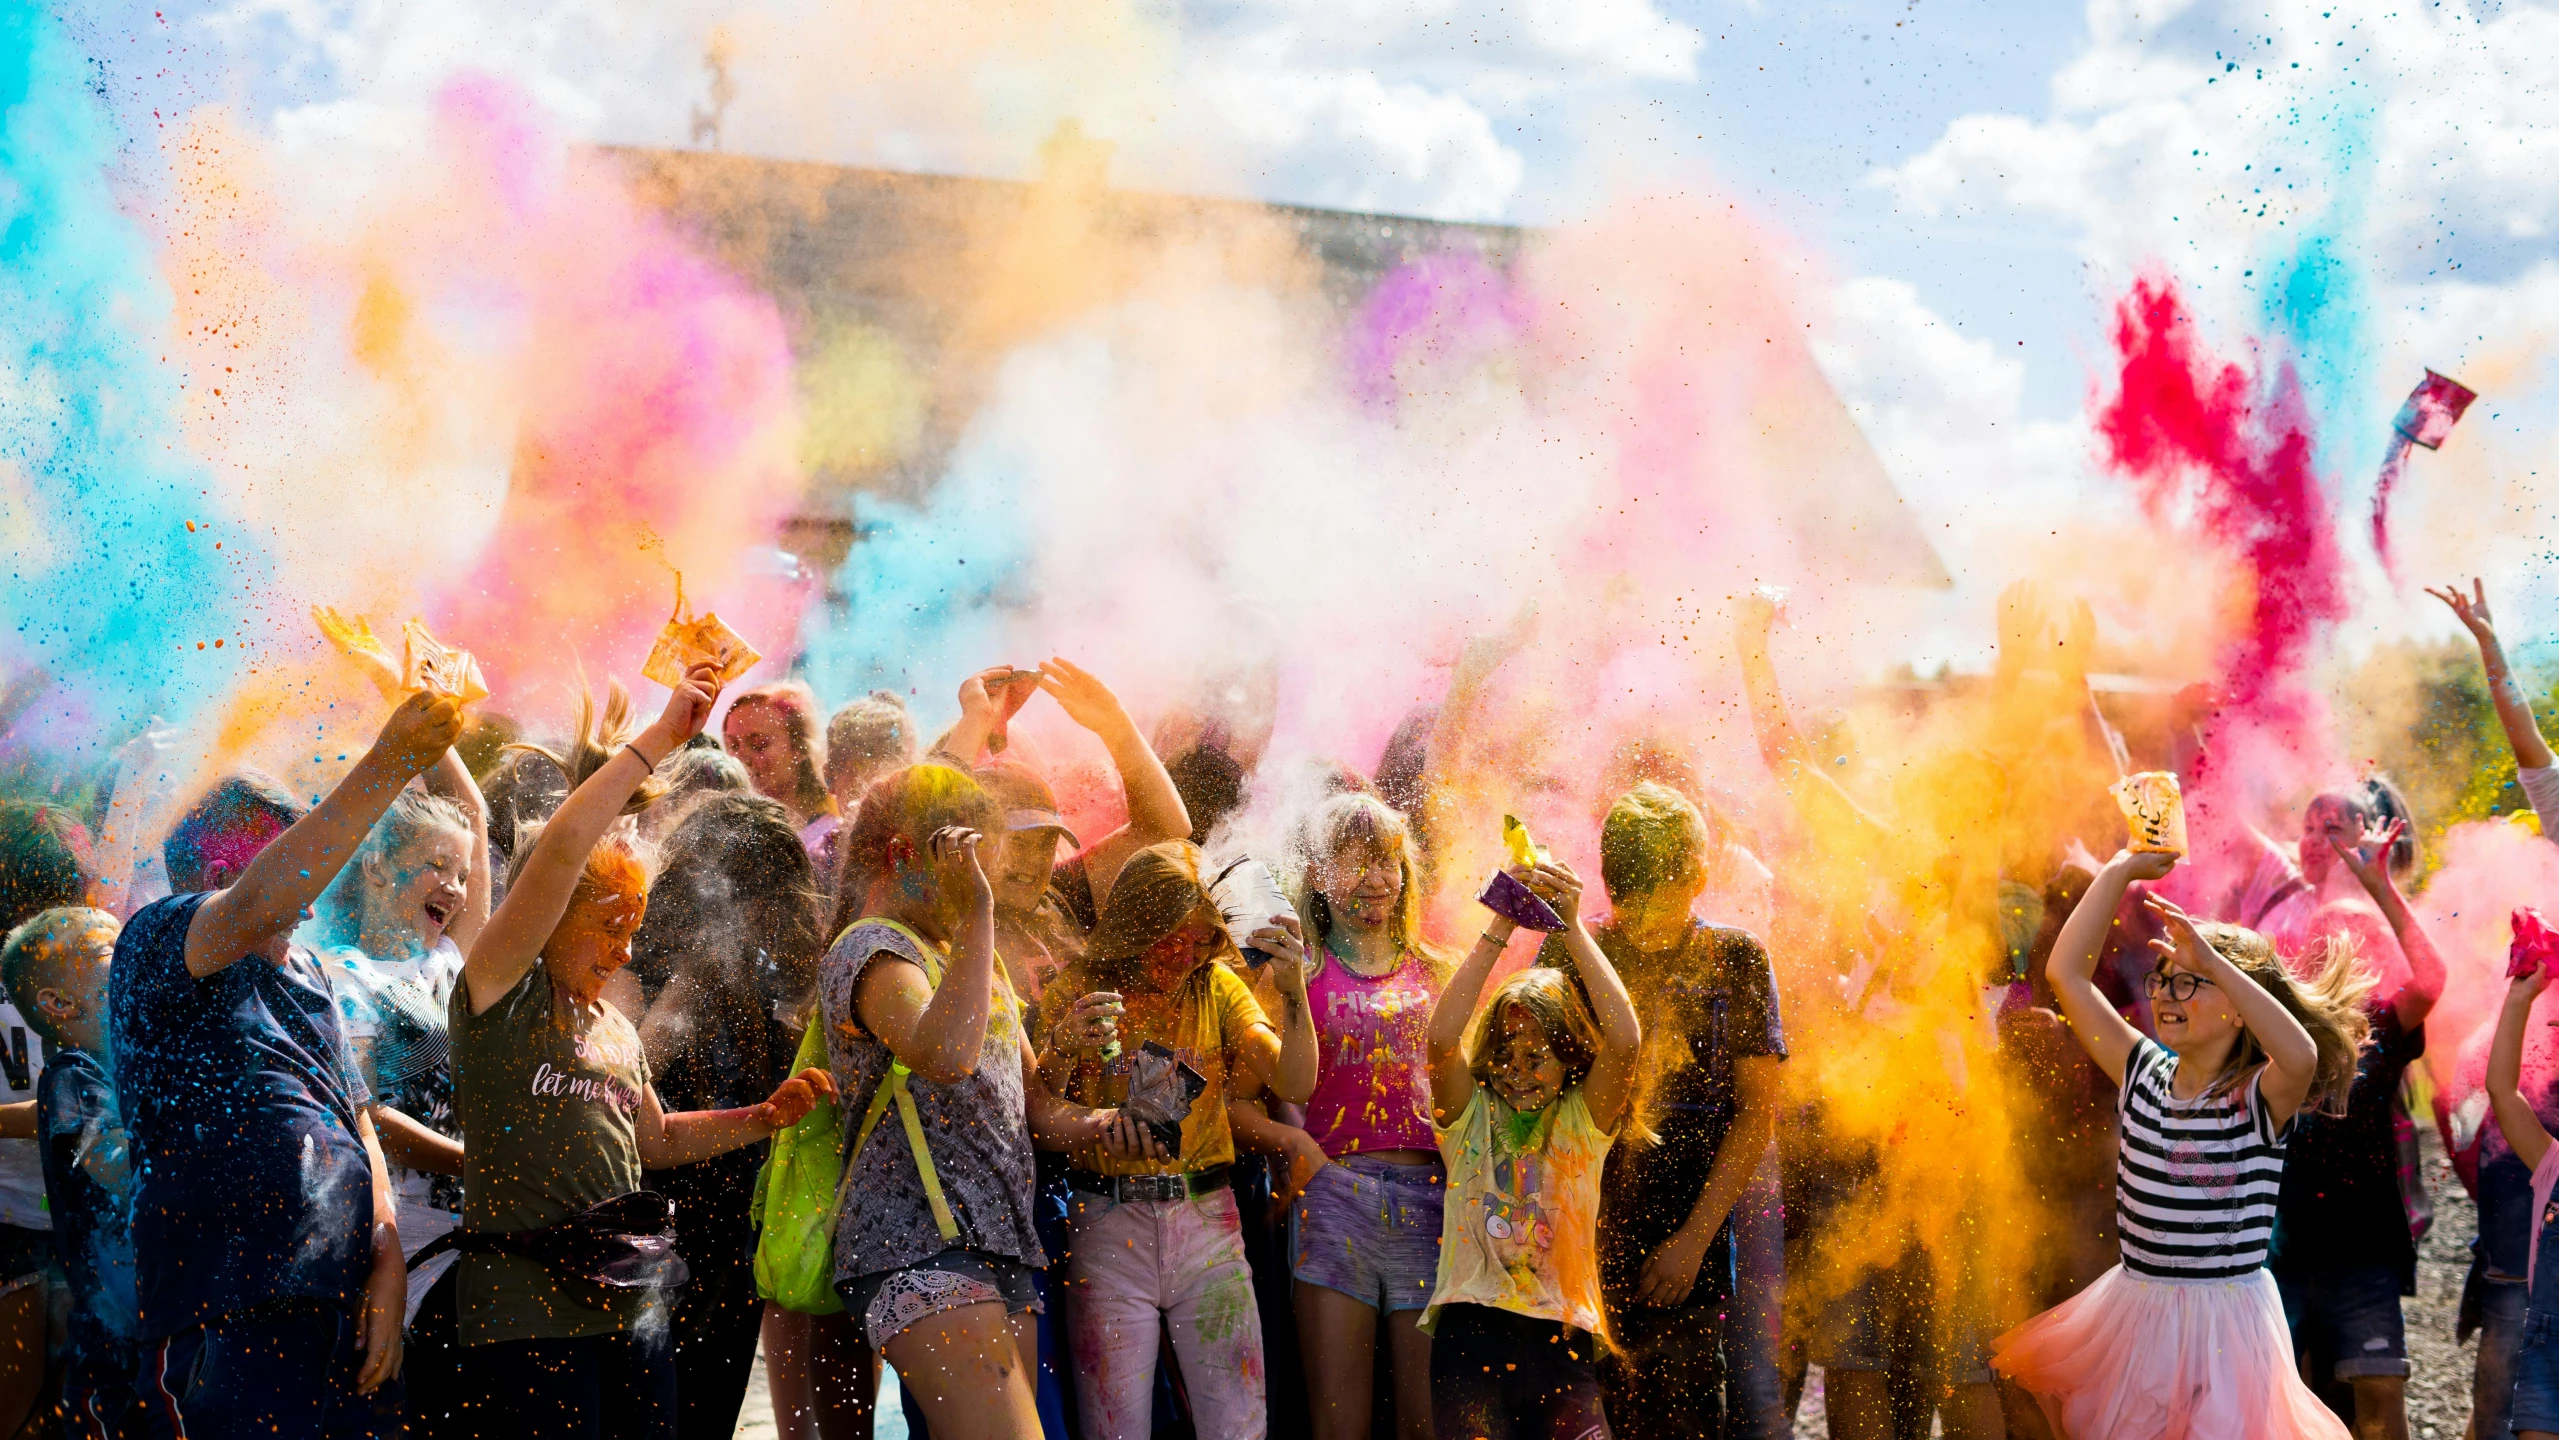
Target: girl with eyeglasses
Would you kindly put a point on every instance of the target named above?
(2186, 1335)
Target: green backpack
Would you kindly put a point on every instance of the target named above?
(798, 1191)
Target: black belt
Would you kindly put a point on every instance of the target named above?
(1161, 1189)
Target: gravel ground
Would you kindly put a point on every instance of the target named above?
(2439, 1371)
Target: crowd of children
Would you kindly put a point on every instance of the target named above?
(531, 1102)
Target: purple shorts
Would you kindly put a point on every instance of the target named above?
(1369, 1228)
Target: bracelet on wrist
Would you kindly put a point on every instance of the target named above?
(636, 754)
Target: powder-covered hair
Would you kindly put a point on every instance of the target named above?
(736, 905)
(2330, 1005)
(1554, 1002)
(338, 915)
(1358, 820)
(240, 800)
(910, 805)
(1653, 837)
(598, 737)
(795, 704)
(34, 958)
(873, 733)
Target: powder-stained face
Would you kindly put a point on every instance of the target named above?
(593, 940)
(1024, 860)
(1526, 1072)
(1169, 961)
(756, 736)
(420, 888)
(2329, 818)
(1361, 882)
(2204, 1016)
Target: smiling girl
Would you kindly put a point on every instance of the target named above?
(1525, 1112)
(2186, 1335)
(555, 1096)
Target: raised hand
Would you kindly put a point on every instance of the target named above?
(952, 853)
(1557, 885)
(2369, 857)
(688, 706)
(2471, 609)
(1086, 700)
(419, 731)
(1090, 1024)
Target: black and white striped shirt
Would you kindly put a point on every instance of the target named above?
(2195, 1180)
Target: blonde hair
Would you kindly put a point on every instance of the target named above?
(1551, 999)
(1357, 818)
(597, 739)
(2329, 1004)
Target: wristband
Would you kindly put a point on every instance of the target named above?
(643, 759)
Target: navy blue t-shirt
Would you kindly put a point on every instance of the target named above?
(250, 1186)
(83, 1140)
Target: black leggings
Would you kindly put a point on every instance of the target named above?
(1500, 1376)
(597, 1387)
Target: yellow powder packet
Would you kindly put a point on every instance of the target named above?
(689, 640)
(439, 669)
(2155, 811)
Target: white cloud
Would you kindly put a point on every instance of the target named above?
(1400, 105)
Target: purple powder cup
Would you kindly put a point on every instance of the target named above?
(1509, 897)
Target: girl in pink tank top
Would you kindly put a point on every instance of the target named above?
(1364, 1235)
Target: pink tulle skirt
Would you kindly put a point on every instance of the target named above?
(2132, 1358)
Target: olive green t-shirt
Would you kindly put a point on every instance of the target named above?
(546, 1090)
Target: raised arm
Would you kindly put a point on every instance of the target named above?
(2072, 968)
(1611, 1082)
(2532, 752)
(1155, 811)
(938, 1032)
(266, 900)
(1452, 1083)
(2369, 861)
(1829, 809)
(514, 936)
(2292, 1057)
(2515, 1116)
(450, 778)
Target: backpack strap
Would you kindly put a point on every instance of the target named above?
(893, 1090)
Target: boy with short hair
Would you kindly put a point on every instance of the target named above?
(269, 1283)
(54, 970)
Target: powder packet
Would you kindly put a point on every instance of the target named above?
(1248, 895)
(2154, 810)
(2433, 408)
(1160, 1091)
(2536, 944)
(689, 640)
(1507, 895)
(439, 669)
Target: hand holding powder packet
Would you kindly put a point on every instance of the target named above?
(2154, 810)
(2535, 945)
(689, 640)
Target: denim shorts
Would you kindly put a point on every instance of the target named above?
(2347, 1321)
(888, 1301)
(2537, 1376)
(1369, 1229)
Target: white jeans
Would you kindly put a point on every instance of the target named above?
(1181, 1260)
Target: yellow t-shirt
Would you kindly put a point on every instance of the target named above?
(1521, 1231)
(1204, 1023)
